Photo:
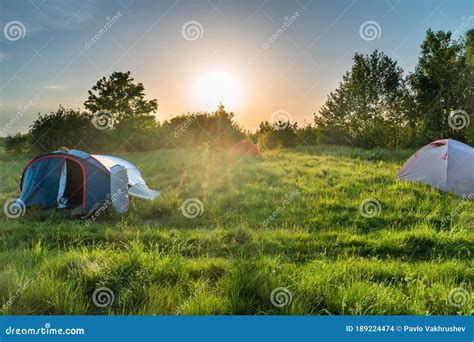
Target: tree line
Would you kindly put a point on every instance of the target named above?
(375, 105)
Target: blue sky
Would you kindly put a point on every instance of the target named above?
(54, 61)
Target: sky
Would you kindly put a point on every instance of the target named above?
(263, 59)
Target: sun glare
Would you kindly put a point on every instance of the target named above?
(217, 87)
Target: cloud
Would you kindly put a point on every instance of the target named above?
(41, 15)
(55, 87)
(51, 87)
(59, 14)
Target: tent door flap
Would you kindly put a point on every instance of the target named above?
(119, 188)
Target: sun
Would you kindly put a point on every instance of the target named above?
(216, 87)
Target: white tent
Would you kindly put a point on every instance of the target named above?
(447, 164)
(134, 175)
(138, 187)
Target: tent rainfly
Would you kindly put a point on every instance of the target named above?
(447, 164)
(81, 181)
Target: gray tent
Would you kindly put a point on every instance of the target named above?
(447, 164)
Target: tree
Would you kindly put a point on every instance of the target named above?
(65, 127)
(438, 85)
(307, 135)
(468, 84)
(469, 52)
(16, 143)
(281, 135)
(224, 130)
(370, 106)
(133, 115)
(217, 130)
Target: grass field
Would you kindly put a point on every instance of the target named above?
(290, 219)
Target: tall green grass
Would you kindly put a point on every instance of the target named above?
(317, 245)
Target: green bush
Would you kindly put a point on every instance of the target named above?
(66, 127)
(282, 135)
(216, 130)
(307, 135)
(16, 143)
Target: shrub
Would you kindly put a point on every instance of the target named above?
(16, 143)
(216, 130)
(307, 135)
(282, 135)
(66, 127)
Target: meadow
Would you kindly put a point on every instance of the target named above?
(288, 221)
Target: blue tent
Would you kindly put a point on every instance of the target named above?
(76, 179)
